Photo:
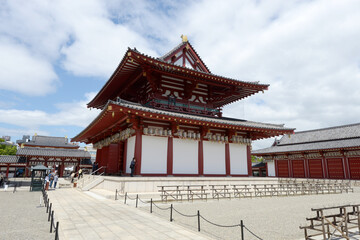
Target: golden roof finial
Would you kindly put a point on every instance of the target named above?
(35, 134)
(184, 38)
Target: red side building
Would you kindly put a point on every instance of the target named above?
(54, 152)
(167, 113)
(322, 153)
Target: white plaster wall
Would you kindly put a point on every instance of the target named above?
(130, 152)
(154, 155)
(214, 157)
(271, 168)
(238, 159)
(185, 156)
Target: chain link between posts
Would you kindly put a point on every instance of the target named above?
(193, 215)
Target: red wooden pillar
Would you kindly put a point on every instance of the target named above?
(267, 169)
(346, 167)
(98, 156)
(138, 146)
(124, 157)
(46, 161)
(7, 169)
(27, 168)
(62, 168)
(249, 165)
(170, 156)
(276, 168)
(325, 168)
(290, 168)
(227, 159)
(201, 158)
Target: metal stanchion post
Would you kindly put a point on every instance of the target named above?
(49, 212)
(242, 229)
(151, 205)
(52, 221)
(198, 213)
(171, 208)
(57, 231)
(125, 198)
(116, 194)
(137, 198)
(47, 207)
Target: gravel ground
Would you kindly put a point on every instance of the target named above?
(21, 217)
(271, 218)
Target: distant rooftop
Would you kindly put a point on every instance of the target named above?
(47, 141)
(338, 137)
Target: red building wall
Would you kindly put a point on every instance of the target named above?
(112, 160)
(283, 168)
(335, 168)
(298, 168)
(354, 165)
(315, 168)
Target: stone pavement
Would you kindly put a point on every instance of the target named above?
(87, 215)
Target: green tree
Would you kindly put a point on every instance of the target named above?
(7, 149)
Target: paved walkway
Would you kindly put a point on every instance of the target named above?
(87, 215)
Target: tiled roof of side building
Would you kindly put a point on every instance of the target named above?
(52, 152)
(324, 134)
(8, 159)
(50, 141)
(230, 121)
(323, 145)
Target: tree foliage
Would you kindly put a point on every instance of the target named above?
(7, 149)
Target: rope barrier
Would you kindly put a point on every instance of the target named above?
(218, 225)
(131, 198)
(253, 233)
(184, 214)
(143, 201)
(160, 207)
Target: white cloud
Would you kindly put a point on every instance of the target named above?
(20, 71)
(69, 114)
(308, 51)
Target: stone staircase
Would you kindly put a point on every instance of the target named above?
(88, 182)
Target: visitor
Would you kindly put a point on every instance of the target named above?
(1, 179)
(72, 177)
(56, 178)
(132, 167)
(51, 178)
(80, 173)
(47, 179)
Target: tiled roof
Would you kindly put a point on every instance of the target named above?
(258, 165)
(52, 152)
(50, 141)
(324, 134)
(224, 120)
(209, 73)
(8, 159)
(182, 44)
(320, 139)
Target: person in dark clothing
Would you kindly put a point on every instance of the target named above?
(132, 167)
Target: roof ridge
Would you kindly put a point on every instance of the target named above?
(328, 128)
(318, 141)
(209, 73)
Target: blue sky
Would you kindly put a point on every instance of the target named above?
(56, 55)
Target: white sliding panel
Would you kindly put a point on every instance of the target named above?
(130, 152)
(271, 169)
(154, 155)
(214, 157)
(238, 159)
(185, 156)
